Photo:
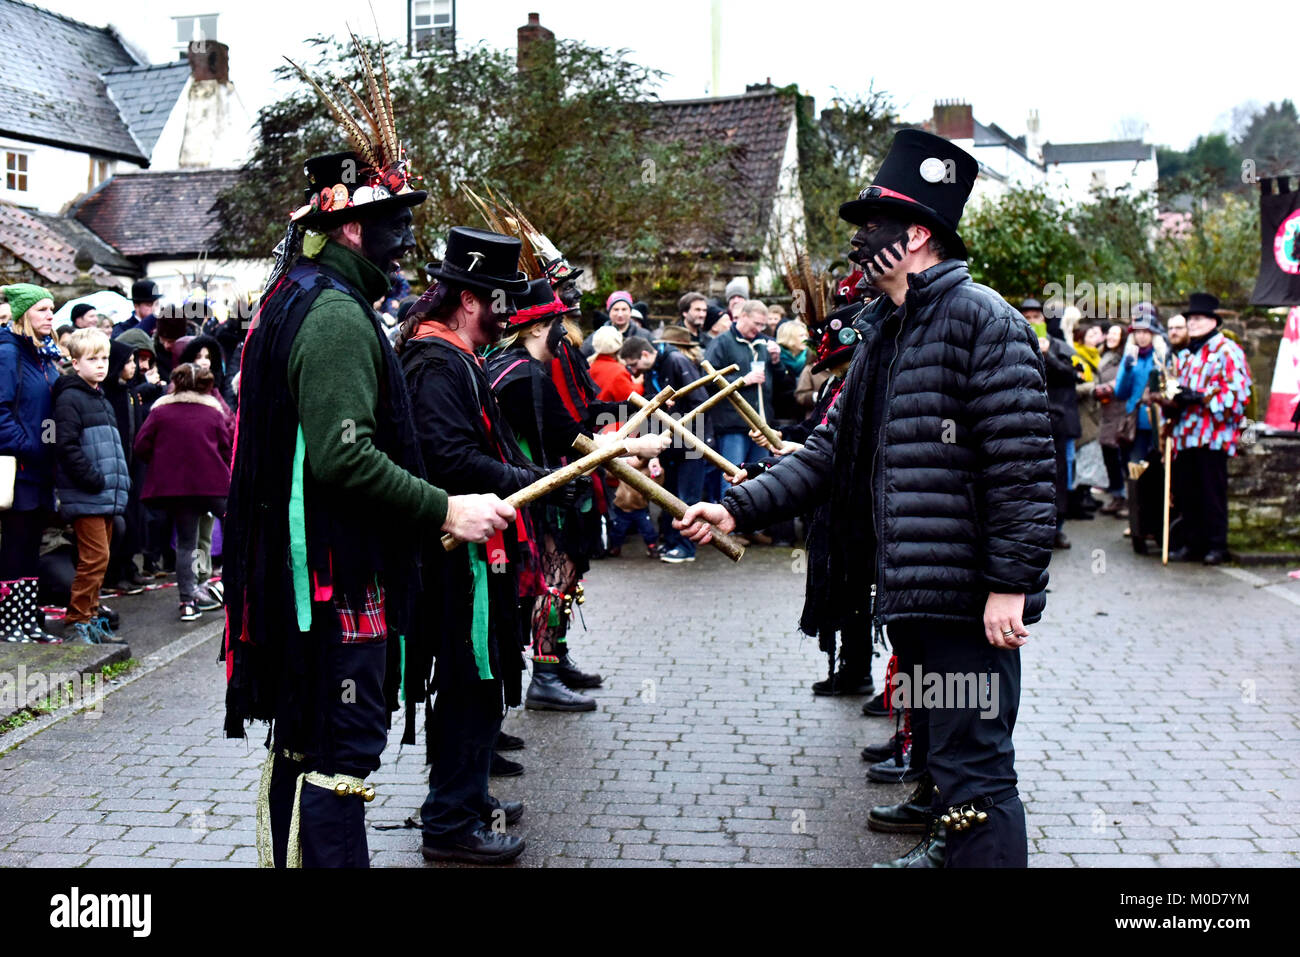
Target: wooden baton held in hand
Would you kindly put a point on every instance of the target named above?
(660, 496)
(711, 401)
(747, 411)
(693, 440)
(588, 463)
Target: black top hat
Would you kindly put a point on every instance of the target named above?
(538, 303)
(1202, 304)
(145, 290)
(341, 188)
(924, 179)
(485, 260)
(834, 337)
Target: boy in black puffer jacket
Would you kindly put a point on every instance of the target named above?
(90, 477)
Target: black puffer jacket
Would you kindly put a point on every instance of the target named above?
(90, 472)
(960, 493)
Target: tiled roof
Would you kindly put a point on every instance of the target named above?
(1097, 152)
(157, 215)
(50, 86)
(145, 96)
(83, 240)
(758, 124)
(30, 239)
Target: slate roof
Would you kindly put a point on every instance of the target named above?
(50, 86)
(757, 123)
(145, 96)
(157, 215)
(30, 239)
(1110, 151)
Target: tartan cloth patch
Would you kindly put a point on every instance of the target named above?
(365, 623)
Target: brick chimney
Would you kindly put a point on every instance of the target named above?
(536, 44)
(953, 120)
(209, 60)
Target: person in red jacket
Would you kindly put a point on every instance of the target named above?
(187, 441)
(607, 371)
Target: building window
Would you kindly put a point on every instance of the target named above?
(430, 23)
(16, 171)
(194, 29)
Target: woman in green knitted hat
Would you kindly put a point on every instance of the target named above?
(26, 423)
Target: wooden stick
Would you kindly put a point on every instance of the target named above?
(705, 380)
(1164, 538)
(588, 463)
(690, 437)
(711, 401)
(747, 411)
(662, 497)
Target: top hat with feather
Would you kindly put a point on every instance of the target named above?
(539, 259)
(371, 180)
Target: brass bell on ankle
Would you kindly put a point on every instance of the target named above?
(342, 790)
(368, 794)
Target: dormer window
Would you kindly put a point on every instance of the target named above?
(16, 171)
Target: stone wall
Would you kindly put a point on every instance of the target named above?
(1264, 494)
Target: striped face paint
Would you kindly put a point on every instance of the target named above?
(879, 246)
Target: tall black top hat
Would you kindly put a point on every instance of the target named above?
(924, 179)
(341, 188)
(1202, 304)
(484, 260)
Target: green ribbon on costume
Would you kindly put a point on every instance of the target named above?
(523, 444)
(298, 538)
(479, 626)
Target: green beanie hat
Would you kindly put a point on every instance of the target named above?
(22, 296)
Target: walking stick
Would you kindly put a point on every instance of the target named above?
(660, 496)
(588, 463)
(1169, 468)
(690, 437)
(746, 410)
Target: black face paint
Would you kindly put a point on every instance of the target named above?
(569, 294)
(385, 241)
(880, 245)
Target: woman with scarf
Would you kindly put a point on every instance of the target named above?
(790, 336)
(1112, 421)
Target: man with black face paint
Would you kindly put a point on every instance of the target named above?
(327, 511)
(937, 462)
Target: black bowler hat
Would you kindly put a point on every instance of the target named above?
(483, 259)
(145, 290)
(924, 179)
(1202, 304)
(342, 188)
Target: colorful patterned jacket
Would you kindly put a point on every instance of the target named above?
(1217, 370)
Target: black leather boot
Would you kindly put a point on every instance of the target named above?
(573, 676)
(910, 817)
(546, 692)
(479, 846)
(504, 768)
(928, 853)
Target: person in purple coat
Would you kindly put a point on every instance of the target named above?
(187, 441)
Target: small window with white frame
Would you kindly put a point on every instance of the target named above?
(192, 29)
(16, 171)
(430, 23)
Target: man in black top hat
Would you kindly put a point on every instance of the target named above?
(144, 298)
(468, 611)
(937, 462)
(328, 506)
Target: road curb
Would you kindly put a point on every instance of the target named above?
(149, 664)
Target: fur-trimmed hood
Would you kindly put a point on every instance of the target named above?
(189, 397)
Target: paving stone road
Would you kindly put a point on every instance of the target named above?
(1158, 727)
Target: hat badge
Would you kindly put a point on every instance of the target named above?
(475, 258)
(932, 169)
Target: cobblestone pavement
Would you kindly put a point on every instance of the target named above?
(1158, 727)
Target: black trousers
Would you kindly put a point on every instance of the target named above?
(354, 719)
(964, 733)
(461, 732)
(1200, 482)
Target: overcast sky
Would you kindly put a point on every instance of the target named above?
(1092, 70)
